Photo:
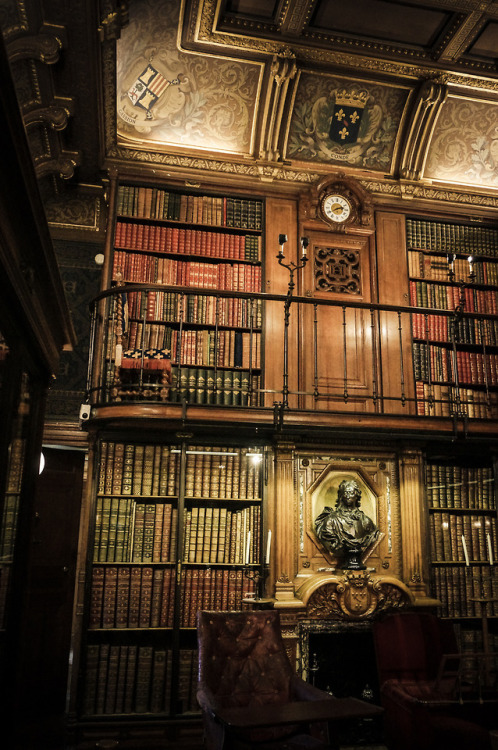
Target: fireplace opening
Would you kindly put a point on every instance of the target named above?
(340, 659)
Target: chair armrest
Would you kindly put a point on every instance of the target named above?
(207, 700)
(303, 691)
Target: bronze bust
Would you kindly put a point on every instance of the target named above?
(347, 531)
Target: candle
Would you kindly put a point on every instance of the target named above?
(464, 545)
(268, 547)
(490, 550)
(248, 543)
(119, 355)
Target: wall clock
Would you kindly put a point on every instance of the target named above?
(336, 208)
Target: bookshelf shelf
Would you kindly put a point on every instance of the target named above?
(203, 249)
(462, 526)
(454, 268)
(156, 559)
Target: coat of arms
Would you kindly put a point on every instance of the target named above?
(346, 118)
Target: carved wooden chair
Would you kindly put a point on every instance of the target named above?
(249, 694)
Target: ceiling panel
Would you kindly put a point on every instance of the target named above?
(385, 21)
(486, 44)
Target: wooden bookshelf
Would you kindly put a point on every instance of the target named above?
(454, 267)
(461, 503)
(164, 240)
(174, 528)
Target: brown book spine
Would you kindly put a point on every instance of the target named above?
(96, 597)
(110, 594)
(145, 597)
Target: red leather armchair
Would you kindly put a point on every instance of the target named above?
(424, 706)
(243, 662)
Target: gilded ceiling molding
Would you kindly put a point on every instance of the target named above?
(409, 190)
(45, 45)
(429, 100)
(204, 34)
(454, 44)
(266, 172)
(282, 72)
(295, 17)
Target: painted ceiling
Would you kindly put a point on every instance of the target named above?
(400, 93)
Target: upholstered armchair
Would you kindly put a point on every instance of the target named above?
(427, 700)
(243, 663)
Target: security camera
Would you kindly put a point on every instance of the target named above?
(84, 412)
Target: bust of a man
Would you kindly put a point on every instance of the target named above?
(346, 531)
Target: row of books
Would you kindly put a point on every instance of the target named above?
(452, 486)
(17, 449)
(458, 587)
(154, 238)
(138, 469)
(155, 203)
(434, 400)
(153, 470)
(464, 331)
(240, 312)
(131, 679)
(447, 297)
(212, 589)
(438, 268)
(200, 385)
(455, 238)
(138, 267)
(138, 532)
(8, 526)
(131, 597)
(470, 640)
(204, 347)
(437, 363)
(127, 596)
(225, 473)
(447, 529)
(222, 535)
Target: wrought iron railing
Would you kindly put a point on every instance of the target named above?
(178, 345)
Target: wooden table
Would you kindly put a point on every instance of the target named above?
(296, 712)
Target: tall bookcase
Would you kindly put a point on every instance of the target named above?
(209, 247)
(454, 267)
(176, 528)
(461, 497)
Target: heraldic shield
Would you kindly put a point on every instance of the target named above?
(346, 118)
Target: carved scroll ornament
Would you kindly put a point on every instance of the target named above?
(358, 595)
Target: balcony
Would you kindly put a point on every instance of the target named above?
(287, 362)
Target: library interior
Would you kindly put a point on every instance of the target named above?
(248, 374)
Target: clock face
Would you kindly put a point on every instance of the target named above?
(336, 208)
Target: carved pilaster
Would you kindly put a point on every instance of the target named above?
(429, 101)
(285, 522)
(412, 522)
(283, 70)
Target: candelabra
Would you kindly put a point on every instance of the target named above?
(292, 268)
(259, 577)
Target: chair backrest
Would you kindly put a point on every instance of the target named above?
(242, 658)
(410, 645)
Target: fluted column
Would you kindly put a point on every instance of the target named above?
(415, 548)
(285, 526)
